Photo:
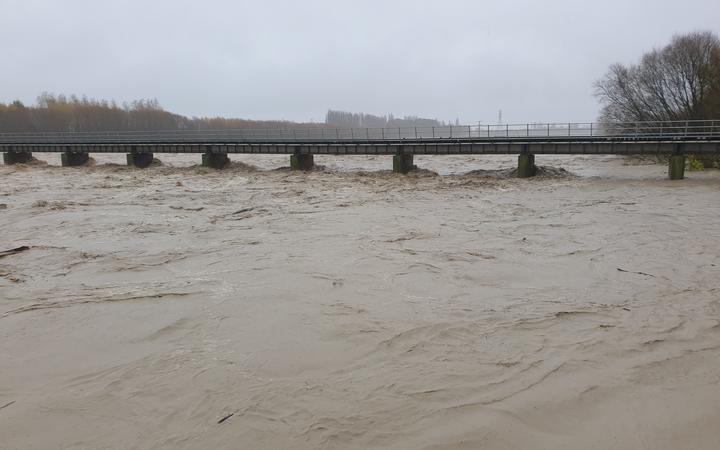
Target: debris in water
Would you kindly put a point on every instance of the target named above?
(185, 208)
(7, 404)
(638, 273)
(13, 251)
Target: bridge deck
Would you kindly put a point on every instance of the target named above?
(571, 138)
(445, 148)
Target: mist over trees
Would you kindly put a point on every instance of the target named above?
(678, 82)
(360, 120)
(59, 113)
(72, 114)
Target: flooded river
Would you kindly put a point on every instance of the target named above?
(179, 307)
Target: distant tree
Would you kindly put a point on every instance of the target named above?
(678, 82)
(361, 120)
(16, 117)
(62, 113)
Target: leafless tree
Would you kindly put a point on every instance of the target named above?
(678, 82)
(62, 113)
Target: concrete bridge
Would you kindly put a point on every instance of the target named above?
(675, 139)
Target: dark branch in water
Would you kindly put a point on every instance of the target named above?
(14, 251)
(7, 404)
(638, 273)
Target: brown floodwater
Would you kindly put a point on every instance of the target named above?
(179, 307)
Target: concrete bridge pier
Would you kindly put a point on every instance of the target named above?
(17, 158)
(140, 159)
(676, 166)
(526, 165)
(403, 162)
(215, 160)
(71, 159)
(302, 161)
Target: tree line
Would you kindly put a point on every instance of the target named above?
(59, 113)
(346, 119)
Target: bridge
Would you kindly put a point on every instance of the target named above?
(673, 138)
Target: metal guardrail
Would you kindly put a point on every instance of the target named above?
(704, 129)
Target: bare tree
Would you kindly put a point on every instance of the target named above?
(678, 82)
(62, 113)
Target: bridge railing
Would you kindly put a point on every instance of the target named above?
(627, 130)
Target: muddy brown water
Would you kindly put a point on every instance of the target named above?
(182, 307)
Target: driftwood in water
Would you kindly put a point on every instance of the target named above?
(13, 251)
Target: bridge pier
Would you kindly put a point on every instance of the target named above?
(17, 158)
(71, 159)
(676, 166)
(526, 165)
(403, 163)
(302, 161)
(215, 160)
(140, 159)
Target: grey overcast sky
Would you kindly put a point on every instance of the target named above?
(281, 59)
